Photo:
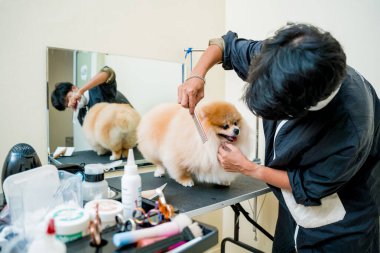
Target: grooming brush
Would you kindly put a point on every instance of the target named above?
(199, 127)
(173, 227)
(188, 233)
(151, 194)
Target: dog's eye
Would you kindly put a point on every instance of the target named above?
(235, 123)
(225, 127)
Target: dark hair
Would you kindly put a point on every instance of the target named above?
(58, 96)
(296, 68)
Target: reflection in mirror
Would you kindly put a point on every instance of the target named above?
(144, 82)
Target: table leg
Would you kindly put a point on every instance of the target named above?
(237, 208)
(241, 244)
(236, 222)
(254, 223)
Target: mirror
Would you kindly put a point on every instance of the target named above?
(144, 82)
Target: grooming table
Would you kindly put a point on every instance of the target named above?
(201, 244)
(89, 156)
(201, 198)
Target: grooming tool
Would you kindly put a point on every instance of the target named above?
(199, 127)
(94, 228)
(148, 241)
(106, 209)
(166, 209)
(152, 217)
(151, 194)
(125, 225)
(173, 227)
(186, 245)
(58, 154)
(188, 234)
(63, 151)
(79, 105)
(113, 165)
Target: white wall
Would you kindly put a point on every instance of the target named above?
(60, 69)
(141, 28)
(144, 82)
(354, 23)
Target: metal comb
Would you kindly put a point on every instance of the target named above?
(199, 127)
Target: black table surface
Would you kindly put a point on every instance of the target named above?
(202, 197)
(89, 156)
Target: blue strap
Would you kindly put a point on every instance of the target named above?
(188, 51)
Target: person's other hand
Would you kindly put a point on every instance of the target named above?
(232, 159)
(190, 93)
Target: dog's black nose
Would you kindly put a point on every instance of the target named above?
(236, 131)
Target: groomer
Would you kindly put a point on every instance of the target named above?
(322, 131)
(101, 88)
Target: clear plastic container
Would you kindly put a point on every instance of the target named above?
(94, 185)
(29, 195)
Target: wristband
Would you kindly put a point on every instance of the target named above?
(198, 77)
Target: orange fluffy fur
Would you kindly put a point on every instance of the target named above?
(111, 127)
(168, 138)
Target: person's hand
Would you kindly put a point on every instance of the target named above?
(190, 93)
(74, 100)
(233, 160)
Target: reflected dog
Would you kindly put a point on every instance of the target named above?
(111, 127)
(167, 137)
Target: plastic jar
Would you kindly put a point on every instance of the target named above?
(107, 208)
(94, 185)
(70, 222)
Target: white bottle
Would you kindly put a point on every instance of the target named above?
(130, 186)
(48, 243)
(94, 186)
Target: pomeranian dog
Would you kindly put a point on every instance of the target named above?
(111, 127)
(168, 137)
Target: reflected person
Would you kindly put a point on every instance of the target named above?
(101, 88)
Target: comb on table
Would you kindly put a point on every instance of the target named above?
(199, 127)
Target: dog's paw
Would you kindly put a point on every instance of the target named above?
(227, 183)
(101, 152)
(115, 156)
(159, 172)
(186, 182)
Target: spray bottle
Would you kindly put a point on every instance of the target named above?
(130, 186)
